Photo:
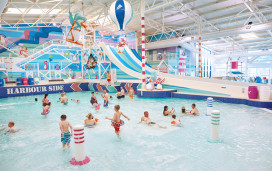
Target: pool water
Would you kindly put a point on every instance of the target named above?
(245, 131)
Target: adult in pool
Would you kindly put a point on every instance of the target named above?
(121, 94)
(65, 133)
(90, 121)
(93, 98)
(148, 121)
(64, 99)
(166, 112)
(116, 122)
(194, 110)
(106, 98)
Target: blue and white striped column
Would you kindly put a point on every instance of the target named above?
(215, 124)
(209, 106)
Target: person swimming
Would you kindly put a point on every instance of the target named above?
(12, 128)
(175, 121)
(148, 121)
(194, 110)
(166, 112)
(116, 122)
(46, 108)
(65, 133)
(90, 121)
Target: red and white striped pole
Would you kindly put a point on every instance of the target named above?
(199, 46)
(199, 56)
(80, 157)
(143, 42)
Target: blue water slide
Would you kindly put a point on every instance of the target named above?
(135, 63)
(138, 56)
(35, 36)
(121, 60)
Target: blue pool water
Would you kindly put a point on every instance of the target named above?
(245, 131)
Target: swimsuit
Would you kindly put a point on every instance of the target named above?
(183, 110)
(106, 105)
(66, 137)
(120, 97)
(92, 100)
(131, 96)
(66, 103)
(117, 125)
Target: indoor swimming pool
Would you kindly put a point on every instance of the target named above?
(245, 131)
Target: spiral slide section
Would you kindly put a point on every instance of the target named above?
(131, 65)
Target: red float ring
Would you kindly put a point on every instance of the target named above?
(57, 67)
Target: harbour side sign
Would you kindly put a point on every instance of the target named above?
(36, 89)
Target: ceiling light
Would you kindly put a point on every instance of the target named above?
(248, 36)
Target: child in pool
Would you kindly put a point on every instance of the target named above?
(183, 110)
(131, 92)
(175, 121)
(116, 122)
(90, 121)
(96, 105)
(65, 133)
(46, 108)
(12, 128)
(73, 100)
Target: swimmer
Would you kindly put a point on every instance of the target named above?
(90, 121)
(73, 100)
(65, 133)
(194, 110)
(64, 99)
(93, 98)
(12, 128)
(110, 97)
(116, 122)
(131, 92)
(36, 99)
(106, 98)
(148, 121)
(166, 112)
(45, 99)
(175, 121)
(46, 108)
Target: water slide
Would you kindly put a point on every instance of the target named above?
(131, 65)
(33, 37)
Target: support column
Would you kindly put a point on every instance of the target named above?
(143, 42)
(199, 47)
